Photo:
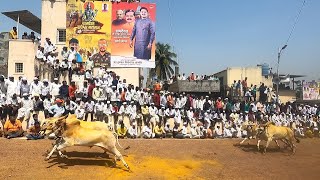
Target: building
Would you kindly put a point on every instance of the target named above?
(254, 75)
(52, 25)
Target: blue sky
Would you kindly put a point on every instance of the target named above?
(212, 35)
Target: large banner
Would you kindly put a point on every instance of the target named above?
(311, 90)
(112, 34)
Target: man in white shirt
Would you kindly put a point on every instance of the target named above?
(45, 89)
(26, 108)
(154, 118)
(146, 131)
(89, 109)
(124, 110)
(35, 86)
(98, 109)
(132, 110)
(132, 131)
(108, 112)
(55, 87)
(177, 116)
(12, 86)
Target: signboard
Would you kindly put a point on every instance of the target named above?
(311, 90)
(112, 34)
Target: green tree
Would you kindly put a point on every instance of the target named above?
(165, 61)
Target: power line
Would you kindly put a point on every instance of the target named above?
(296, 21)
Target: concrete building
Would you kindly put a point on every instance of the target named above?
(254, 75)
(52, 25)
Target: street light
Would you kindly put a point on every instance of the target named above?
(278, 78)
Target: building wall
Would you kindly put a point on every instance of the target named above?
(224, 75)
(22, 51)
(254, 75)
(54, 18)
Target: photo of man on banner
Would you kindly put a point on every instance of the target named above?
(143, 34)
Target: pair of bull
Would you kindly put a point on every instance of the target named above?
(269, 132)
(73, 132)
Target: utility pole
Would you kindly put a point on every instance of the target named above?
(278, 78)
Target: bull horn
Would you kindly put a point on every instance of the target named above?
(62, 117)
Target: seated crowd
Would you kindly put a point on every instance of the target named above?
(150, 113)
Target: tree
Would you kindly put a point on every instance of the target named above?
(164, 61)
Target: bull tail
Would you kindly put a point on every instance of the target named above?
(117, 139)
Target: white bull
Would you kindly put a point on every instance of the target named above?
(72, 133)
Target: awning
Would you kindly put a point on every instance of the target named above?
(26, 18)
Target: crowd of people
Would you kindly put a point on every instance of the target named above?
(152, 113)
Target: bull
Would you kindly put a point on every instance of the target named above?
(272, 132)
(74, 133)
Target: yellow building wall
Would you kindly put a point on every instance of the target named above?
(254, 75)
(54, 18)
(22, 51)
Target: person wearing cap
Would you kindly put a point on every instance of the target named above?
(161, 114)
(177, 116)
(124, 110)
(45, 89)
(98, 110)
(47, 103)
(35, 86)
(169, 113)
(26, 105)
(80, 112)
(154, 118)
(146, 131)
(89, 109)
(63, 68)
(11, 86)
(132, 131)
(24, 86)
(54, 88)
(132, 112)
(108, 112)
(57, 109)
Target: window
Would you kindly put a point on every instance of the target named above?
(61, 35)
(19, 67)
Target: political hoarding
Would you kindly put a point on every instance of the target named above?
(112, 34)
(311, 90)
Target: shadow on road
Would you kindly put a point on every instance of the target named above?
(82, 159)
(247, 147)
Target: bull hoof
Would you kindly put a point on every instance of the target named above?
(64, 156)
